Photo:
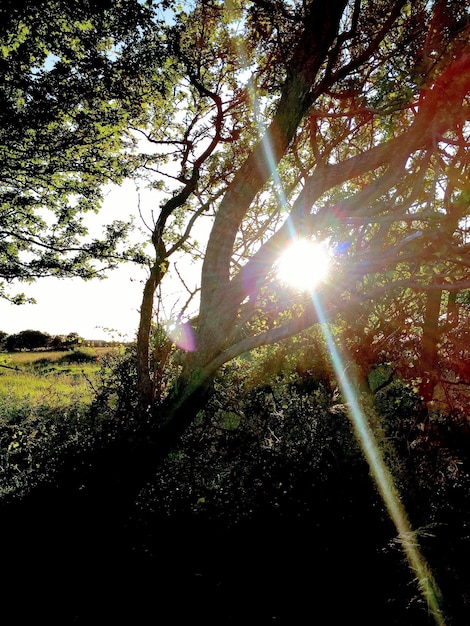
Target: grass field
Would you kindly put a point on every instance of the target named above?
(50, 378)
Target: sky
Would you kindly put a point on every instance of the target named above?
(89, 308)
(71, 305)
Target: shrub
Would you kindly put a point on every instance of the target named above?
(267, 448)
(78, 356)
(39, 436)
(33, 440)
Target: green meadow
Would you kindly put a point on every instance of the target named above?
(54, 379)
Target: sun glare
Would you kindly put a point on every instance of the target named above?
(304, 265)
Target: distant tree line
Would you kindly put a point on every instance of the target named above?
(38, 340)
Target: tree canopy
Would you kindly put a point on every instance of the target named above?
(68, 89)
(346, 124)
(257, 123)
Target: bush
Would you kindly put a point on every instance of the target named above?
(34, 439)
(267, 449)
(268, 478)
(37, 439)
(78, 356)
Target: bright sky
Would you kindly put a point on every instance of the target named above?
(109, 308)
(72, 305)
(65, 306)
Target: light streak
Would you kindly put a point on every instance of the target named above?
(382, 476)
(363, 431)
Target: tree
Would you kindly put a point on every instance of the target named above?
(270, 121)
(27, 340)
(68, 90)
(351, 127)
(345, 121)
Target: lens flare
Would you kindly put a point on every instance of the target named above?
(182, 335)
(382, 476)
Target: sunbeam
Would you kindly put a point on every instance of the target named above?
(364, 433)
(382, 476)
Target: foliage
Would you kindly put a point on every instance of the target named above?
(67, 94)
(434, 474)
(343, 122)
(257, 453)
(346, 135)
(27, 340)
(37, 340)
(79, 356)
(117, 397)
(35, 434)
(264, 461)
(265, 120)
(43, 416)
(58, 407)
(277, 459)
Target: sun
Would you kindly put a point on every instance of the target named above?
(304, 265)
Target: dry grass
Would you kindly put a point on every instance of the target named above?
(43, 378)
(28, 358)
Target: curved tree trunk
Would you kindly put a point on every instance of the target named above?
(217, 310)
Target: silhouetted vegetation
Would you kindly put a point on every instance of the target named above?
(257, 459)
(267, 506)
